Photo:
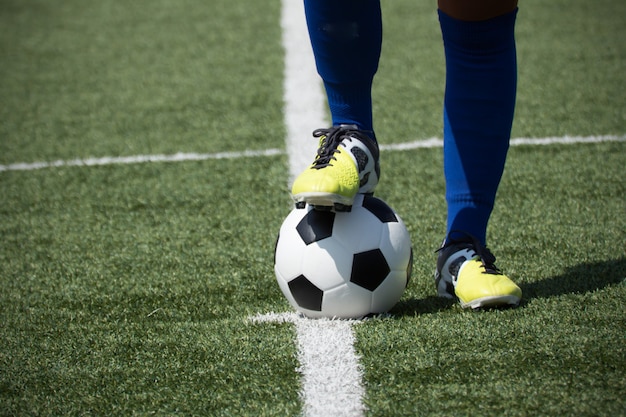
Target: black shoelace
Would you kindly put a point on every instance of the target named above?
(331, 138)
(487, 258)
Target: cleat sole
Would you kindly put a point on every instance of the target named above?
(342, 208)
(324, 201)
(337, 208)
(492, 302)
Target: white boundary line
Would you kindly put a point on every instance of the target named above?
(565, 140)
(138, 159)
(331, 374)
(186, 157)
(303, 94)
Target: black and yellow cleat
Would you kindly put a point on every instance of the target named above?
(466, 270)
(346, 164)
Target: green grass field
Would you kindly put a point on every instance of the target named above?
(127, 289)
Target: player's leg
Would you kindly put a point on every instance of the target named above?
(346, 36)
(479, 102)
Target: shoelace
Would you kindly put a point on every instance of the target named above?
(331, 138)
(487, 258)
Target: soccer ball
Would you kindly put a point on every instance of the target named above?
(344, 264)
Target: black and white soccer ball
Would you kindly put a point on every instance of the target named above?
(344, 264)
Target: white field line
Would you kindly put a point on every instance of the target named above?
(139, 159)
(302, 88)
(331, 374)
(567, 140)
(331, 377)
(185, 157)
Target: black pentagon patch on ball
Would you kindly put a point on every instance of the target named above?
(369, 269)
(306, 294)
(316, 225)
(379, 209)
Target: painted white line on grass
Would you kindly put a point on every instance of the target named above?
(303, 94)
(139, 159)
(331, 375)
(416, 144)
(185, 157)
(566, 140)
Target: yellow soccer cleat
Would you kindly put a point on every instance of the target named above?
(346, 164)
(466, 270)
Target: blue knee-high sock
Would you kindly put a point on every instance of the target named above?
(346, 36)
(481, 82)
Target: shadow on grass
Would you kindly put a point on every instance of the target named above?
(415, 307)
(579, 279)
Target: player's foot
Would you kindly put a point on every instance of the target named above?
(466, 270)
(346, 164)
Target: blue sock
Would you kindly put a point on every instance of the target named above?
(346, 36)
(481, 83)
